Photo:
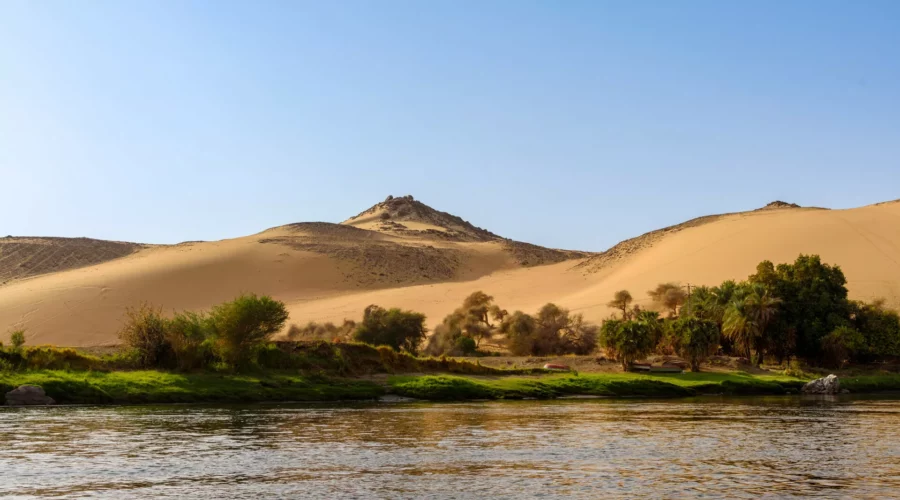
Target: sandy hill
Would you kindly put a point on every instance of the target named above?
(328, 272)
(74, 291)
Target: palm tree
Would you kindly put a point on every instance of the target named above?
(762, 308)
(700, 304)
(720, 298)
(739, 325)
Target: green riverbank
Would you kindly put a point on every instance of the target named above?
(141, 387)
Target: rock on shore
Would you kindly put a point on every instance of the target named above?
(826, 385)
(28, 395)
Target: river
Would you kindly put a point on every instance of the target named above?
(714, 447)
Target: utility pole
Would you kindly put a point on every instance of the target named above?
(689, 298)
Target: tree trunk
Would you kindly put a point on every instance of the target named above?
(695, 365)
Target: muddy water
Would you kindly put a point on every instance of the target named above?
(713, 447)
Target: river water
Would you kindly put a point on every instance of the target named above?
(778, 447)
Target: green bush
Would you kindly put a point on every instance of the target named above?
(392, 327)
(695, 339)
(145, 332)
(839, 345)
(466, 345)
(627, 341)
(188, 335)
(242, 326)
(17, 339)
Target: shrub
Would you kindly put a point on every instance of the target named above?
(17, 339)
(188, 336)
(553, 331)
(145, 332)
(695, 339)
(465, 345)
(839, 345)
(240, 327)
(520, 333)
(323, 331)
(449, 340)
(392, 327)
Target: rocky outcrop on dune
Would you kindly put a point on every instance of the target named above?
(390, 215)
(408, 218)
(23, 257)
(778, 204)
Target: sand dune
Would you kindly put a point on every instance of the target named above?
(328, 272)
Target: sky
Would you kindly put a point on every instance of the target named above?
(566, 124)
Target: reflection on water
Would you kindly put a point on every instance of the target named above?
(737, 448)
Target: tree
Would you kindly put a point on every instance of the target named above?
(700, 304)
(762, 308)
(552, 331)
(814, 301)
(696, 339)
(240, 327)
(497, 314)
(392, 327)
(668, 295)
(839, 345)
(880, 329)
(519, 329)
(478, 304)
(626, 340)
(621, 300)
(739, 325)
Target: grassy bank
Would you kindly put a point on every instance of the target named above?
(447, 388)
(139, 387)
(322, 371)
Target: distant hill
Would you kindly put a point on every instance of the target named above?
(78, 288)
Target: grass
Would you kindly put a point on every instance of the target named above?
(323, 371)
(447, 388)
(871, 383)
(138, 387)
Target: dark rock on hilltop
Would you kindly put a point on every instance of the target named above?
(779, 204)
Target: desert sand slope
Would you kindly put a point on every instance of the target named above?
(21, 257)
(328, 272)
(299, 263)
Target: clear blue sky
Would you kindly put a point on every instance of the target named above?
(568, 124)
